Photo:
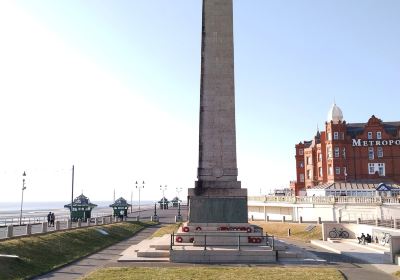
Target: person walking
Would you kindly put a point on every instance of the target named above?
(52, 219)
(49, 219)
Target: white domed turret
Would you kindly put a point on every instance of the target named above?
(335, 114)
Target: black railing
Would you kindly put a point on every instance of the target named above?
(261, 240)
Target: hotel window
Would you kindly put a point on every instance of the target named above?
(302, 178)
(320, 172)
(371, 153)
(380, 152)
(309, 174)
(308, 160)
(337, 170)
(330, 170)
(301, 164)
(371, 168)
(344, 152)
(329, 152)
(381, 169)
(336, 135)
(342, 135)
(337, 152)
(329, 136)
(369, 135)
(320, 157)
(301, 152)
(378, 135)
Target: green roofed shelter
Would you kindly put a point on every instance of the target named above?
(163, 203)
(120, 207)
(175, 201)
(81, 208)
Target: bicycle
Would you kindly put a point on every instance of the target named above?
(334, 233)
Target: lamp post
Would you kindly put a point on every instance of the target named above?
(178, 191)
(131, 201)
(139, 188)
(163, 189)
(22, 198)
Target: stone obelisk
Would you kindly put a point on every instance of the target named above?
(217, 196)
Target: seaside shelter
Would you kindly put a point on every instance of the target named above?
(120, 207)
(163, 203)
(81, 208)
(175, 202)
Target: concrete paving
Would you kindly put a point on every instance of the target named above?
(372, 254)
(110, 255)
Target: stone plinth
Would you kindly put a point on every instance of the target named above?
(218, 205)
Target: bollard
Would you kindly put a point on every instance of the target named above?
(340, 220)
(28, 229)
(288, 232)
(178, 219)
(358, 221)
(10, 231)
(252, 218)
(44, 227)
(267, 218)
(57, 226)
(69, 224)
(88, 222)
(300, 220)
(319, 220)
(79, 223)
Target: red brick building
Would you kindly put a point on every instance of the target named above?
(349, 152)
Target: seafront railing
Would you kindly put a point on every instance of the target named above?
(40, 219)
(365, 200)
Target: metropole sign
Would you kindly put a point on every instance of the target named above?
(371, 143)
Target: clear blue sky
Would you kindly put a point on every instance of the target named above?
(113, 87)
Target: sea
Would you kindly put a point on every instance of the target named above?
(40, 209)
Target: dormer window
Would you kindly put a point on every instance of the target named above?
(369, 135)
(378, 135)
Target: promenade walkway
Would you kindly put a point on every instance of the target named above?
(110, 255)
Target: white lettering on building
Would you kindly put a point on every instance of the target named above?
(370, 143)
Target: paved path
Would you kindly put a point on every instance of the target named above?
(351, 267)
(110, 255)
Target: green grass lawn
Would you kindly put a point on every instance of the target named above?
(39, 254)
(219, 273)
(297, 230)
(166, 230)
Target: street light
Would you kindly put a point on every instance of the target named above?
(22, 198)
(178, 191)
(131, 200)
(163, 189)
(139, 188)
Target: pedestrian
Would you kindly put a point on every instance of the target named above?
(49, 218)
(52, 218)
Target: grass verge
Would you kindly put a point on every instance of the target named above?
(219, 273)
(40, 254)
(397, 274)
(297, 230)
(166, 230)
